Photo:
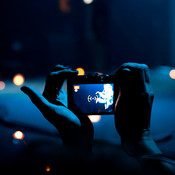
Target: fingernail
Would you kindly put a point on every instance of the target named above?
(126, 70)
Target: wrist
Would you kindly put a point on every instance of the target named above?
(139, 146)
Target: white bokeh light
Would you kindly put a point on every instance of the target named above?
(87, 1)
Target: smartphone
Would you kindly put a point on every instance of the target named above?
(91, 95)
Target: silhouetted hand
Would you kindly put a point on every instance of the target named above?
(75, 130)
(132, 119)
(133, 109)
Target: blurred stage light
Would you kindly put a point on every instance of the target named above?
(172, 74)
(94, 118)
(18, 135)
(48, 168)
(87, 1)
(18, 79)
(80, 71)
(2, 85)
(64, 6)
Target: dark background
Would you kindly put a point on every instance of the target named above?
(38, 34)
(35, 35)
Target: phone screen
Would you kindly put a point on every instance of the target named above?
(94, 98)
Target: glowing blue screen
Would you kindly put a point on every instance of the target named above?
(93, 98)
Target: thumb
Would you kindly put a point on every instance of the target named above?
(123, 79)
(40, 102)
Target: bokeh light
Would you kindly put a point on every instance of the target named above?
(47, 168)
(80, 71)
(18, 79)
(172, 74)
(87, 1)
(2, 85)
(18, 135)
(94, 118)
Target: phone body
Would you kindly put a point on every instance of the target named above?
(91, 95)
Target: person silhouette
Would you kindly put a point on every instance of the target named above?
(76, 130)
(132, 115)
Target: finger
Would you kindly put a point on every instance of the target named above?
(57, 78)
(134, 67)
(59, 67)
(64, 73)
(133, 77)
(40, 102)
(55, 82)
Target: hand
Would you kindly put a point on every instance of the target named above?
(75, 130)
(133, 109)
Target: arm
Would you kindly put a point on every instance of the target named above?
(132, 118)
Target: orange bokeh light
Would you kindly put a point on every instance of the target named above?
(80, 71)
(94, 118)
(88, 1)
(2, 85)
(18, 79)
(172, 74)
(64, 6)
(18, 135)
(48, 168)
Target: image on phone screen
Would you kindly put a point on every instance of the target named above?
(94, 98)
